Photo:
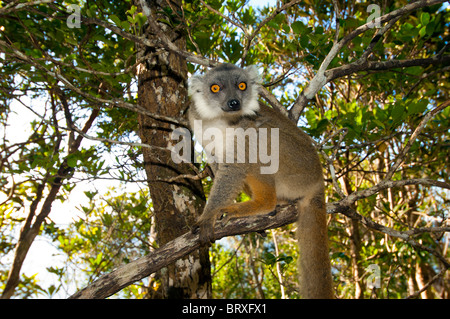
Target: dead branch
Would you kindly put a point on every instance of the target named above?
(176, 249)
(322, 77)
(11, 50)
(405, 150)
(125, 275)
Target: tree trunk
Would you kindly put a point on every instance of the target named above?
(33, 222)
(176, 205)
(355, 246)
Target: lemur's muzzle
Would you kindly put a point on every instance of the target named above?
(234, 105)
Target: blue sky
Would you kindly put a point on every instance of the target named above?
(262, 3)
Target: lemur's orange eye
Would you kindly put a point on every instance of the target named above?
(242, 86)
(215, 88)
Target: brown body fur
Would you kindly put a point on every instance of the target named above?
(299, 177)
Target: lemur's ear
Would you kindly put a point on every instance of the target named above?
(253, 74)
(195, 84)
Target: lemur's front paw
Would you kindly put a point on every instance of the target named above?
(205, 230)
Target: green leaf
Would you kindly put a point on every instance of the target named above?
(423, 31)
(298, 27)
(417, 107)
(269, 259)
(141, 19)
(248, 17)
(358, 116)
(126, 25)
(286, 259)
(415, 70)
(132, 19)
(116, 20)
(132, 10)
(89, 13)
(424, 18)
(430, 29)
(314, 39)
(90, 195)
(72, 161)
(398, 111)
(71, 40)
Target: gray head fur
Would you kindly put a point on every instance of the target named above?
(230, 99)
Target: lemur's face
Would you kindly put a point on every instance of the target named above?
(226, 90)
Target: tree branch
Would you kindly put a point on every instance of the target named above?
(359, 65)
(439, 274)
(320, 79)
(176, 249)
(405, 150)
(272, 100)
(355, 196)
(251, 37)
(14, 6)
(111, 103)
(233, 22)
(166, 43)
(34, 222)
(123, 276)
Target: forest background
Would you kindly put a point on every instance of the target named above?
(91, 90)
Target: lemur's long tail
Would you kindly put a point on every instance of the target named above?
(314, 261)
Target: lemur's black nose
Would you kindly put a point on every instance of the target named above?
(234, 105)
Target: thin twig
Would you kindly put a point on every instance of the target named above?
(321, 78)
(250, 37)
(405, 150)
(111, 103)
(436, 277)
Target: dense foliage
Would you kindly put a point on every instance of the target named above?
(69, 145)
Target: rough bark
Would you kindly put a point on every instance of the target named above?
(33, 223)
(176, 205)
(178, 248)
(187, 243)
(323, 76)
